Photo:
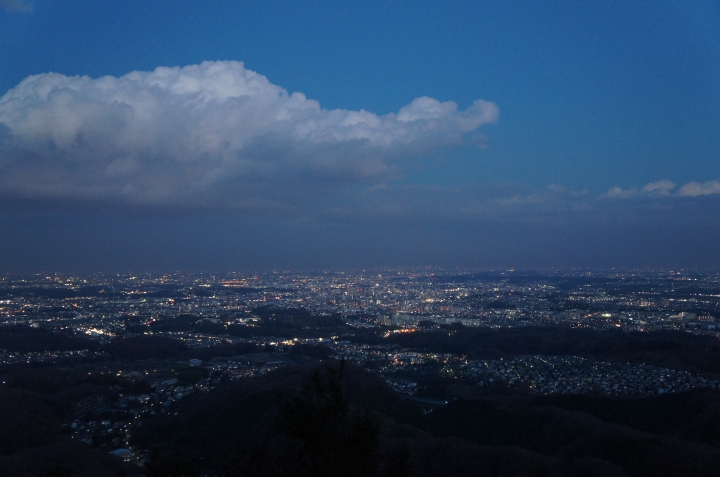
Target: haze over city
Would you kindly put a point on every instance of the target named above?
(308, 135)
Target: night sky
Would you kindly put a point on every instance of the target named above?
(233, 135)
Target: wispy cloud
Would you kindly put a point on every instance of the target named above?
(20, 6)
(694, 189)
(666, 188)
(214, 134)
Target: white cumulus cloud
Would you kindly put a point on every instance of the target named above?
(209, 134)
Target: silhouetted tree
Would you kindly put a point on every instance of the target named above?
(398, 463)
(317, 434)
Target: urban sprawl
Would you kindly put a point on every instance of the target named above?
(225, 309)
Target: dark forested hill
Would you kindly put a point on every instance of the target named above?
(673, 349)
(23, 339)
(281, 426)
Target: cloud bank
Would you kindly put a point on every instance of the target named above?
(209, 135)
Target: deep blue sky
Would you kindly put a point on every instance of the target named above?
(596, 100)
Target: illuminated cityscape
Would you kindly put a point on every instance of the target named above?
(234, 327)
